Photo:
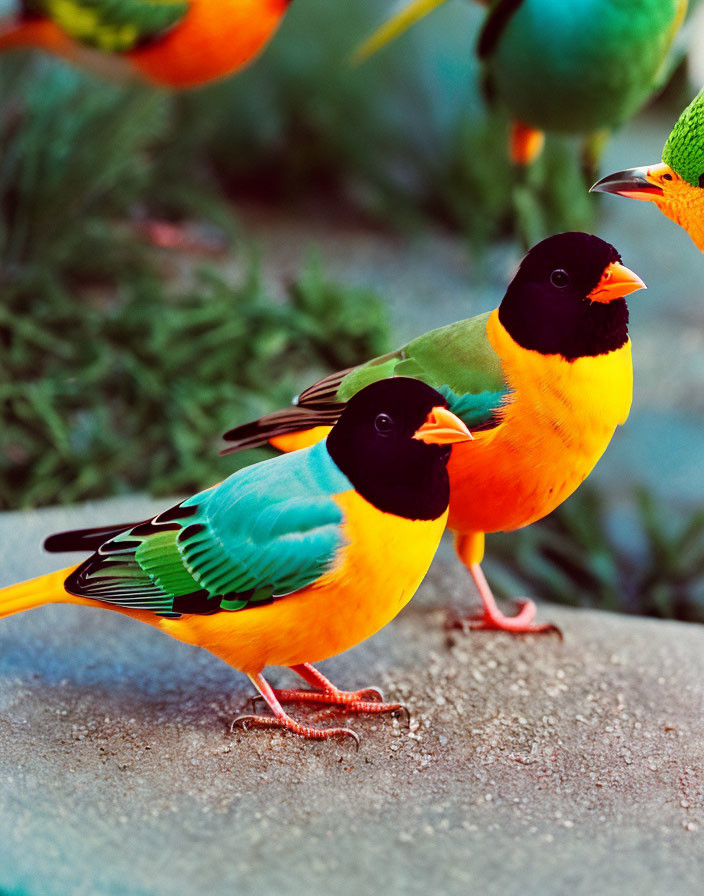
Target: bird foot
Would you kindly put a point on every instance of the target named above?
(247, 722)
(492, 619)
(368, 700)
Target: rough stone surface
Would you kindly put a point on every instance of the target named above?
(531, 766)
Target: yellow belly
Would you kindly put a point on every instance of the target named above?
(378, 572)
(557, 424)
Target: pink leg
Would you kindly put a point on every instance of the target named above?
(368, 700)
(493, 619)
(282, 720)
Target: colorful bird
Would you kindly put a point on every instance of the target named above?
(676, 184)
(577, 68)
(173, 43)
(543, 381)
(289, 561)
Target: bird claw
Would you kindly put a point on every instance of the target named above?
(241, 722)
(373, 695)
(519, 624)
(287, 724)
(402, 712)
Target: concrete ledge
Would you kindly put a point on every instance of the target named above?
(532, 766)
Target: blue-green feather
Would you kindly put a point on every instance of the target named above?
(266, 531)
(473, 409)
(580, 65)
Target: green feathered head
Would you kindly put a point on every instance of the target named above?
(684, 150)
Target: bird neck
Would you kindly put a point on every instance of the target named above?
(689, 214)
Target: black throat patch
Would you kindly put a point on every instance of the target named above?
(581, 330)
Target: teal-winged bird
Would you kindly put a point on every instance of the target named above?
(286, 562)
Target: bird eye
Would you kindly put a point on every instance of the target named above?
(383, 424)
(667, 177)
(559, 278)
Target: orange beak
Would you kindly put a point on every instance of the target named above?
(441, 427)
(616, 282)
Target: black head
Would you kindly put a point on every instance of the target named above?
(376, 443)
(556, 304)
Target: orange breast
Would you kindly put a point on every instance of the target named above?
(215, 38)
(378, 572)
(556, 426)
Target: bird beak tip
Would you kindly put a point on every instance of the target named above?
(633, 183)
(616, 282)
(442, 427)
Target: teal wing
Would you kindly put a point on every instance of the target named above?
(457, 360)
(496, 21)
(267, 531)
(115, 26)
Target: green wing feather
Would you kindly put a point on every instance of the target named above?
(457, 360)
(267, 531)
(115, 26)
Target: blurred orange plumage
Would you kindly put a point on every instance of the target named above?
(172, 44)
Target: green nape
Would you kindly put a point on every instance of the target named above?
(114, 26)
(684, 150)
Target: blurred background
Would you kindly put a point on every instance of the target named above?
(172, 265)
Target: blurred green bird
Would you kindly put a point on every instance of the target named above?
(577, 67)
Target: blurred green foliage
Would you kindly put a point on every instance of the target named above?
(405, 138)
(647, 560)
(118, 375)
(107, 393)
(73, 159)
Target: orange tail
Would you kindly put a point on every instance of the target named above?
(47, 589)
(304, 438)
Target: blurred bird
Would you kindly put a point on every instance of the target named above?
(543, 381)
(676, 184)
(173, 43)
(289, 561)
(581, 67)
